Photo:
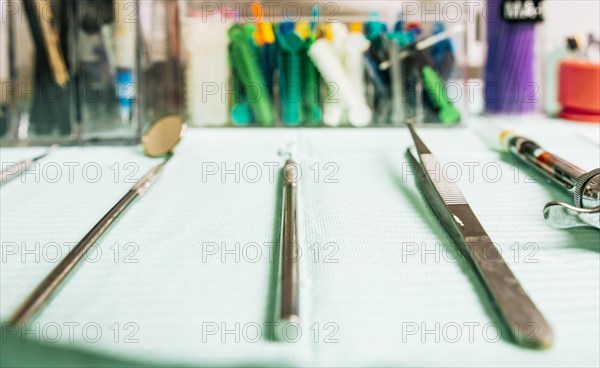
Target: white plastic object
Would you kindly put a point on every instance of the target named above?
(339, 34)
(494, 134)
(333, 72)
(160, 44)
(356, 45)
(333, 112)
(125, 34)
(205, 42)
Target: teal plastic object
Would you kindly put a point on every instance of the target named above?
(311, 93)
(291, 47)
(374, 27)
(241, 114)
(403, 38)
(246, 66)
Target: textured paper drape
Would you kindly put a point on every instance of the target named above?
(185, 275)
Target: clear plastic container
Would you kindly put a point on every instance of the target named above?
(348, 79)
(161, 60)
(108, 77)
(107, 50)
(40, 88)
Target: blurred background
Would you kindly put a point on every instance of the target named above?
(108, 68)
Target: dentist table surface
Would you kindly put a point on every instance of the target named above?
(188, 275)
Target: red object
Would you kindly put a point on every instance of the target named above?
(413, 25)
(579, 90)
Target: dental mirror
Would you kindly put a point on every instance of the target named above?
(160, 139)
(163, 135)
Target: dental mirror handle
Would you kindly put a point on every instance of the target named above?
(44, 291)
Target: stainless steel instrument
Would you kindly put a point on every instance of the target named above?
(289, 302)
(582, 185)
(159, 140)
(18, 168)
(526, 323)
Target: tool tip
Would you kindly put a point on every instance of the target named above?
(420, 147)
(288, 329)
(534, 336)
(48, 151)
(287, 151)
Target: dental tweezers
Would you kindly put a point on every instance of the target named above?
(526, 323)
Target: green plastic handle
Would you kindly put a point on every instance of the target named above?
(245, 63)
(434, 86)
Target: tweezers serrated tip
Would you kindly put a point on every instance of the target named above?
(419, 145)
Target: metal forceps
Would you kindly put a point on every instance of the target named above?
(526, 323)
